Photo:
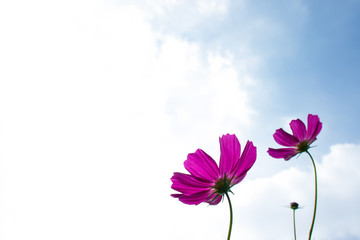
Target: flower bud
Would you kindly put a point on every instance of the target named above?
(294, 205)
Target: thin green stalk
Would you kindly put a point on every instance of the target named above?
(315, 204)
(231, 216)
(294, 224)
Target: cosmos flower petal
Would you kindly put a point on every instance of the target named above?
(301, 139)
(194, 199)
(214, 199)
(238, 178)
(285, 153)
(230, 153)
(188, 184)
(299, 129)
(201, 165)
(285, 139)
(314, 127)
(246, 160)
(205, 183)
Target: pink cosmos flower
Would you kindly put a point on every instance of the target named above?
(301, 139)
(207, 182)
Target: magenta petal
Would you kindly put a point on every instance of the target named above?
(214, 199)
(205, 183)
(238, 179)
(246, 160)
(202, 166)
(188, 184)
(194, 199)
(299, 129)
(230, 153)
(314, 127)
(285, 153)
(285, 139)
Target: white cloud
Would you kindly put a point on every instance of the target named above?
(200, 8)
(263, 199)
(97, 109)
(339, 173)
(213, 6)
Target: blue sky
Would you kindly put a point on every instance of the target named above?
(308, 53)
(311, 57)
(101, 101)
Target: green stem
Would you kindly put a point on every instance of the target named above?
(315, 204)
(231, 216)
(294, 224)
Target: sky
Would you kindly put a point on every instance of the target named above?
(101, 101)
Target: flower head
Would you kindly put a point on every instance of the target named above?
(294, 205)
(301, 139)
(208, 182)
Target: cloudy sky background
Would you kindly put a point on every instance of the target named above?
(101, 101)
